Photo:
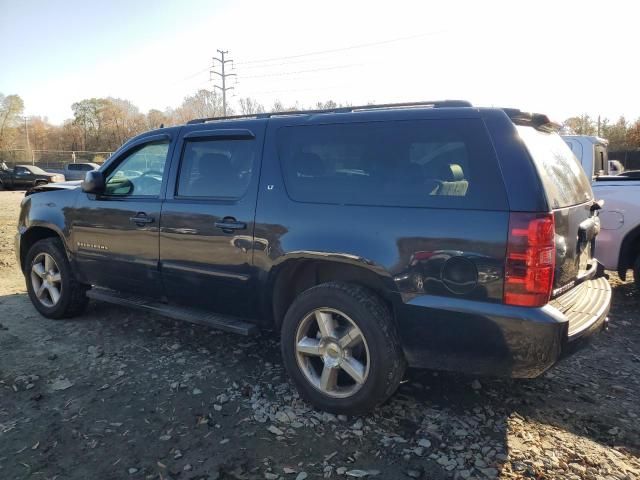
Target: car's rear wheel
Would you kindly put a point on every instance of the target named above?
(341, 349)
(51, 285)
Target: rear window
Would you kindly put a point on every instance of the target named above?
(563, 178)
(415, 163)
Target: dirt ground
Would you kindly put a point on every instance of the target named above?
(120, 394)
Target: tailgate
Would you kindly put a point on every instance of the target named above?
(576, 231)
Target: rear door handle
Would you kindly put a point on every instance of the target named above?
(141, 218)
(228, 225)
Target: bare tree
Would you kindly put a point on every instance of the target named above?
(250, 106)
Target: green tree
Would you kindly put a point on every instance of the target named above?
(87, 115)
(616, 133)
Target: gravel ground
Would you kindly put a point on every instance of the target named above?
(120, 394)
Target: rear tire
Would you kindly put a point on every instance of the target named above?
(341, 349)
(51, 284)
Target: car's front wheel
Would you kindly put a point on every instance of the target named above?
(341, 349)
(51, 285)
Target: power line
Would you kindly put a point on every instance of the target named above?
(341, 49)
(223, 76)
(320, 69)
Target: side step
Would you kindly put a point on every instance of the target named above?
(227, 323)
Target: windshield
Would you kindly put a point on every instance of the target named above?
(36, 170)
(563, 178)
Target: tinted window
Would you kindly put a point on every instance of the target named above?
(216, 168)
(563, 178)
(439, 163)
(140, 173)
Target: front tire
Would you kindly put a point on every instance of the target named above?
(51, 284)
(341, 349)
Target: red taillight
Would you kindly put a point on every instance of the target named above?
(531, 255)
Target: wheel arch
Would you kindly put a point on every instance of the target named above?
(292, 276)
(35, 234)
(629, 250)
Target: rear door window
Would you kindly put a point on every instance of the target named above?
(416, 163)
(563, 178)
(216, 168)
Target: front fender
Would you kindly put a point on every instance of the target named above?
(42, 213)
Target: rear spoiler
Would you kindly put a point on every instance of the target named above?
(539, 121)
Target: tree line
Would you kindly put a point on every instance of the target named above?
(622, 134)
(103, 124)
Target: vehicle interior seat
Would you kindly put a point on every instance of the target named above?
(446, 179)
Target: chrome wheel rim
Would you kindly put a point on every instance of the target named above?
(46, 280)
(332, 352)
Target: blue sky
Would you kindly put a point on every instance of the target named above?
(561, 58)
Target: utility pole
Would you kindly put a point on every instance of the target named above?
(26, 130)
(223, 76)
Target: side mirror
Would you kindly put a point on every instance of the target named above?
(93, 182)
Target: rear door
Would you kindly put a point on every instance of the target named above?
(570, 197)
(206, 235)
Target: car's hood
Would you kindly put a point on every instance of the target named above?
(55, 186)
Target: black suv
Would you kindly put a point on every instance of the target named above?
(433, 235)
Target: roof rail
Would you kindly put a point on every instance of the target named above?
(432, 104)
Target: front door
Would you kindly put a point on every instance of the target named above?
(115, 234)
(206, 235)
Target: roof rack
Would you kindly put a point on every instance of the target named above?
(432, 104)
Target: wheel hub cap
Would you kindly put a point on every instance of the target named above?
(332, 353)
(46, 279)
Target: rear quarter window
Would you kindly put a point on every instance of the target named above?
(564, 181)
(413, 163)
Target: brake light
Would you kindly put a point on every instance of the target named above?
(531, 258)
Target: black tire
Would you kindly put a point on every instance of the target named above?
(385, 358)
(40, 182)
(636, 272)
(73, 299)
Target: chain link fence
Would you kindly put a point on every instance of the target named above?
(50, 159)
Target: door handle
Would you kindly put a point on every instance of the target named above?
(229, 224)
(141, 218)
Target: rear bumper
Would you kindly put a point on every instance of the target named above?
(493, 339)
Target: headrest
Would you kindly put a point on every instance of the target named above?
(456, 172)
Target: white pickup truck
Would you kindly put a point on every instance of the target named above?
(618, 244)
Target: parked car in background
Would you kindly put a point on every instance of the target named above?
(434, 235)
(77, 171)
(618, 245)
(26, 176)
(591, 152)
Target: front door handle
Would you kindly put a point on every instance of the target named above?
(229, 224)
(141, 219)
